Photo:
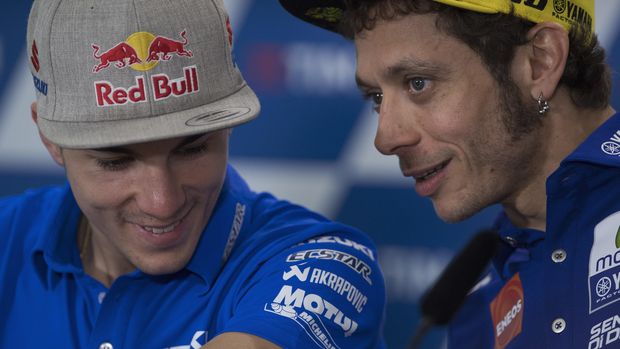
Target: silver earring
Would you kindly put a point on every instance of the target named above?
(543, 105)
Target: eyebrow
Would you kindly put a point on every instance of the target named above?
(406, 65)
(123, 150)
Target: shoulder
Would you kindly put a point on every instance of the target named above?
(326, 288)
(32, 202)
(21, 216)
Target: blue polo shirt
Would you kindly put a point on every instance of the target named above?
(262, 266)
(559, 288)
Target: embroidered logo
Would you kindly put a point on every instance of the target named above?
(34, 57)
(559, 6)
(142, 51)
(604, 263)
(196, 343)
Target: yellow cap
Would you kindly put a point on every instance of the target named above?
(565, 12)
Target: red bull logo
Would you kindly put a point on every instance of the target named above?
(142, 51)
(122, 55)
(162, 47)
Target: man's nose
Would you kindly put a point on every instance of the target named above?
(397, 127)
(160, 194)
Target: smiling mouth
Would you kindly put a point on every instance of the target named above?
(431, 173)
(161, 230)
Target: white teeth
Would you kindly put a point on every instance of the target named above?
(162, 230)
(430, 173)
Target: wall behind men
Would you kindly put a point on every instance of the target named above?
(312, 144)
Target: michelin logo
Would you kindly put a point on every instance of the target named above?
(312, 325)
(604, 264)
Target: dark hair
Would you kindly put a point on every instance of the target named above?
(494, 38)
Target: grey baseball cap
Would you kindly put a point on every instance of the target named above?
(117, 72)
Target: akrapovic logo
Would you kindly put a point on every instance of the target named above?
(337, 283)
(604, 264)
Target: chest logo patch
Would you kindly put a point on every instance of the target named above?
(507, 312)
(604, 264)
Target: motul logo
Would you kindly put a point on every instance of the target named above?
(162, 87)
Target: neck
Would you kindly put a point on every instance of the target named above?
(96, 262)
(564, 129)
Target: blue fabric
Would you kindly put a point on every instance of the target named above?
(583, 219)
(289, 276)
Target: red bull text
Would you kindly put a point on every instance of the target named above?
(142, 51)
(162, 87)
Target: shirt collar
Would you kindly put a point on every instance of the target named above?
(224, 227)
(602, 147)
(57, 239)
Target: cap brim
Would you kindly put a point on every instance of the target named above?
(233, 110)
(302, 10)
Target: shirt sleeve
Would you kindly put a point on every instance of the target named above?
(327, 292)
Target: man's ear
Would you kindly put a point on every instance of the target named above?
(540, 63)
(54, 150)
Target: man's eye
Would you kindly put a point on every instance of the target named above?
(189, 151)
(376, 98)
(114, 164)
(417, 84)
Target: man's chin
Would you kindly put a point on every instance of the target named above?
(155, 265)
(453, 214)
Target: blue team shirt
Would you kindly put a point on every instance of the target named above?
(262, 266)
(559, 288)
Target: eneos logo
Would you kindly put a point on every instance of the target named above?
(507, 312)
(142, 51)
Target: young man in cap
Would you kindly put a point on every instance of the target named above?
(499, 101)
(155, 242)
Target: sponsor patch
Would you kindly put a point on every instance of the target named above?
(569, 12)
(507, 312)
(349, 260)
(39, 84)
(143, 51)
(604, 264)
(345, 242)
(337, 283)
(312, 325)
(234, 230)
(294, 301)
(604, 333)
(612, 146)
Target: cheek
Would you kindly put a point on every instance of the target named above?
(97, 192)
(205, 175)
